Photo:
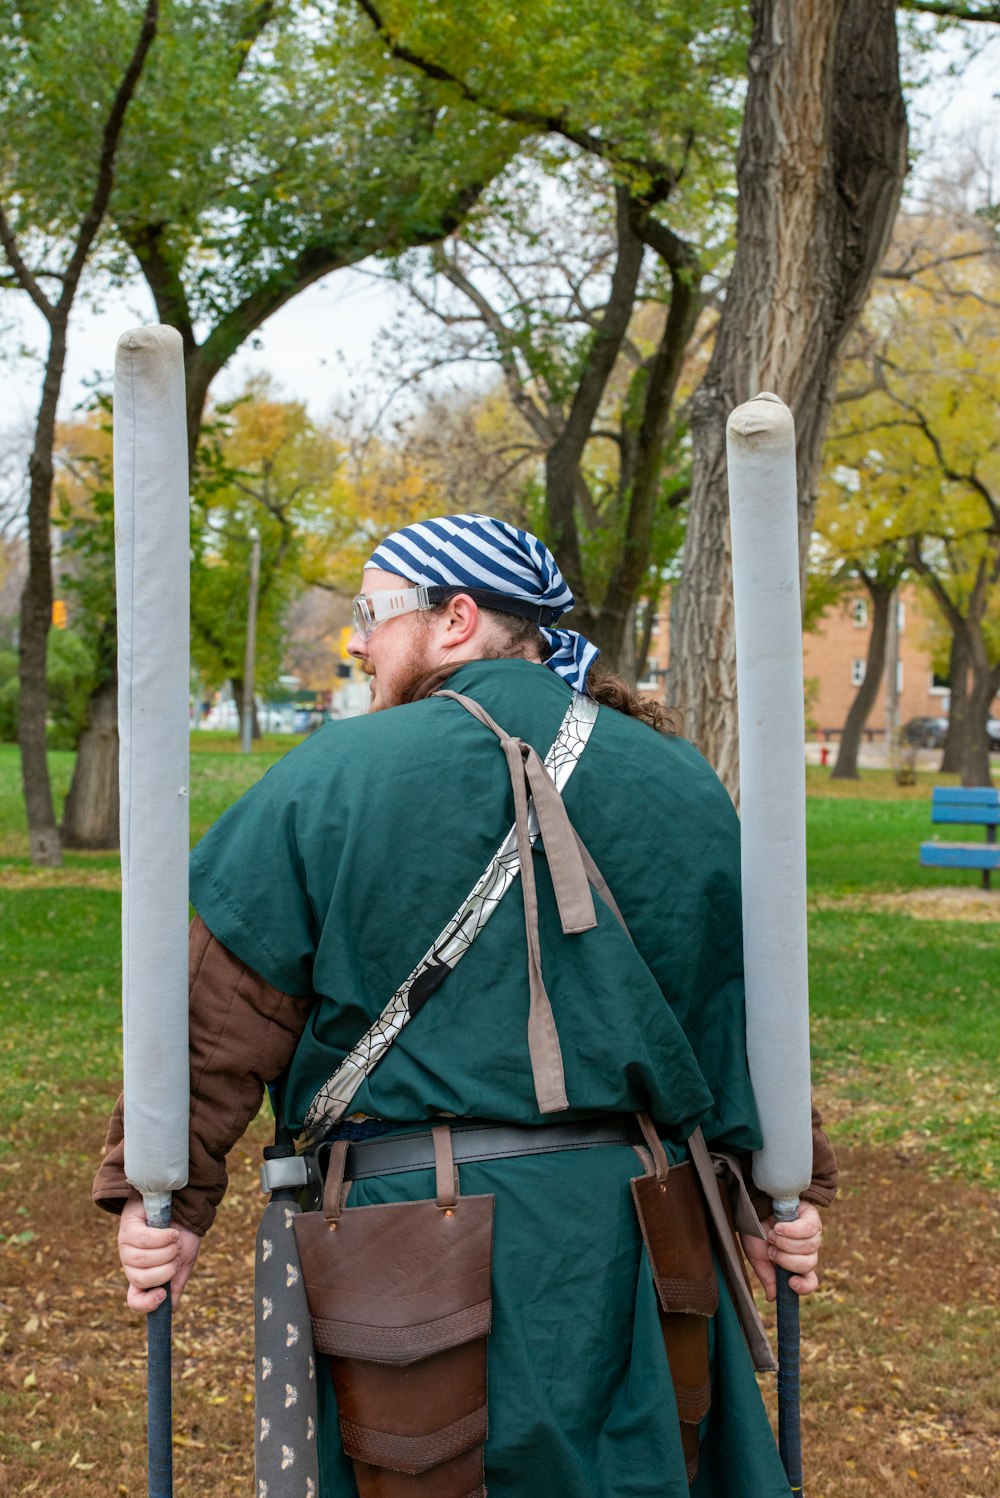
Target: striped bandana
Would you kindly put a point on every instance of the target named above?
(480, 553)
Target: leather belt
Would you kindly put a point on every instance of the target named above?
(478, 1141)
(471, 1141)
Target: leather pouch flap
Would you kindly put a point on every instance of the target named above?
(400, 1282)
(672, 1219)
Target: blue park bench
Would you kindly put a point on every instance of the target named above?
(979, 805)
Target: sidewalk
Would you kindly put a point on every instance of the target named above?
(871, 756)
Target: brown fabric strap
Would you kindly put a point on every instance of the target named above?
(414, 1454)
(745, 1219)
(445, 1173)
(660, 1163)
(334, 1194)
(729, 1255)
(598, 883)
(562, 848)
(569, 881)
(401, 1344)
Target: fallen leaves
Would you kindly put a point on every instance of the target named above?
(899, 1375)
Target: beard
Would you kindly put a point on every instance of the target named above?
(397, 684)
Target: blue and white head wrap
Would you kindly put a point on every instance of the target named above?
(487, 555)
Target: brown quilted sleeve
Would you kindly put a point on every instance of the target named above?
(825, 1176)
(243, 1032)
(821, 1189)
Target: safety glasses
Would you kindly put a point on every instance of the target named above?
(374, 608)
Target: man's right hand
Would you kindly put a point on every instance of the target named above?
(152, 1257)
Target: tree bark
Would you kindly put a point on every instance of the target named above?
(958, 705)
(846, 768)
(236, 682)
(984, 672)
(36, 619)
(820, 169)
(90, 818)
(976, 751)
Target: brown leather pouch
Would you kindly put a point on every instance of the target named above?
(401, 1305)
(671, 1211)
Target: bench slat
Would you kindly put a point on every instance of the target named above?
(967, 795)
(960, 855)
(971, 816)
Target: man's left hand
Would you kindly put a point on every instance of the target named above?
(792, 1245)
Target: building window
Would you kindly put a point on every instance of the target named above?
(857, 673)
(901, 617)
(859, 613)
(899, 677)
(939, 686)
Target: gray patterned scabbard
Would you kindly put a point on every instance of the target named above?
(285, 1436)
(334, 1097)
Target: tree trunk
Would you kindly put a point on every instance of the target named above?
(846, 767)
(236, 682)
(820, 170)
(958, 705)
(36, 619)
(90, 819)
(36, 606)
(644, 436)
(563, 459)
(976, 753)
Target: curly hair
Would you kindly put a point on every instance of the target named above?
(521, 637)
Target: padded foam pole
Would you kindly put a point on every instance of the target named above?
(764, 518)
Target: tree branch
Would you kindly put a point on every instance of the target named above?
(642, 477)
(520, 397)
(900, 273)
(22, 275)
(169, 294)
(312, 263)
(109, 145)
(957, 12)
(609, 334)
(250, 28)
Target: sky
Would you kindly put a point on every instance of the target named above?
(320, 347)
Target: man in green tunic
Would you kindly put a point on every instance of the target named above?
(320, 890)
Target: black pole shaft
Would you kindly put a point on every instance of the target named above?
(159, 1433)
(789, 1428)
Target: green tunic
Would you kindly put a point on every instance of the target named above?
(333, 875)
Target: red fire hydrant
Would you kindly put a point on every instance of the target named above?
(824, 753)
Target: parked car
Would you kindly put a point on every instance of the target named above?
(993, 729)
(926, 733)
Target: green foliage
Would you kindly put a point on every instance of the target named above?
(84, 515)
(655, 87)
(247, 145)
(262, 464)
(913, 454)
(69, 673)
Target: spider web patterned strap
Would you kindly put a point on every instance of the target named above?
(334, 1097)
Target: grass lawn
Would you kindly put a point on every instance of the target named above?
(905, 1024)
(899, 1377)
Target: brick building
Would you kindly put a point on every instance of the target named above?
(834, 656)
(833, 663)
